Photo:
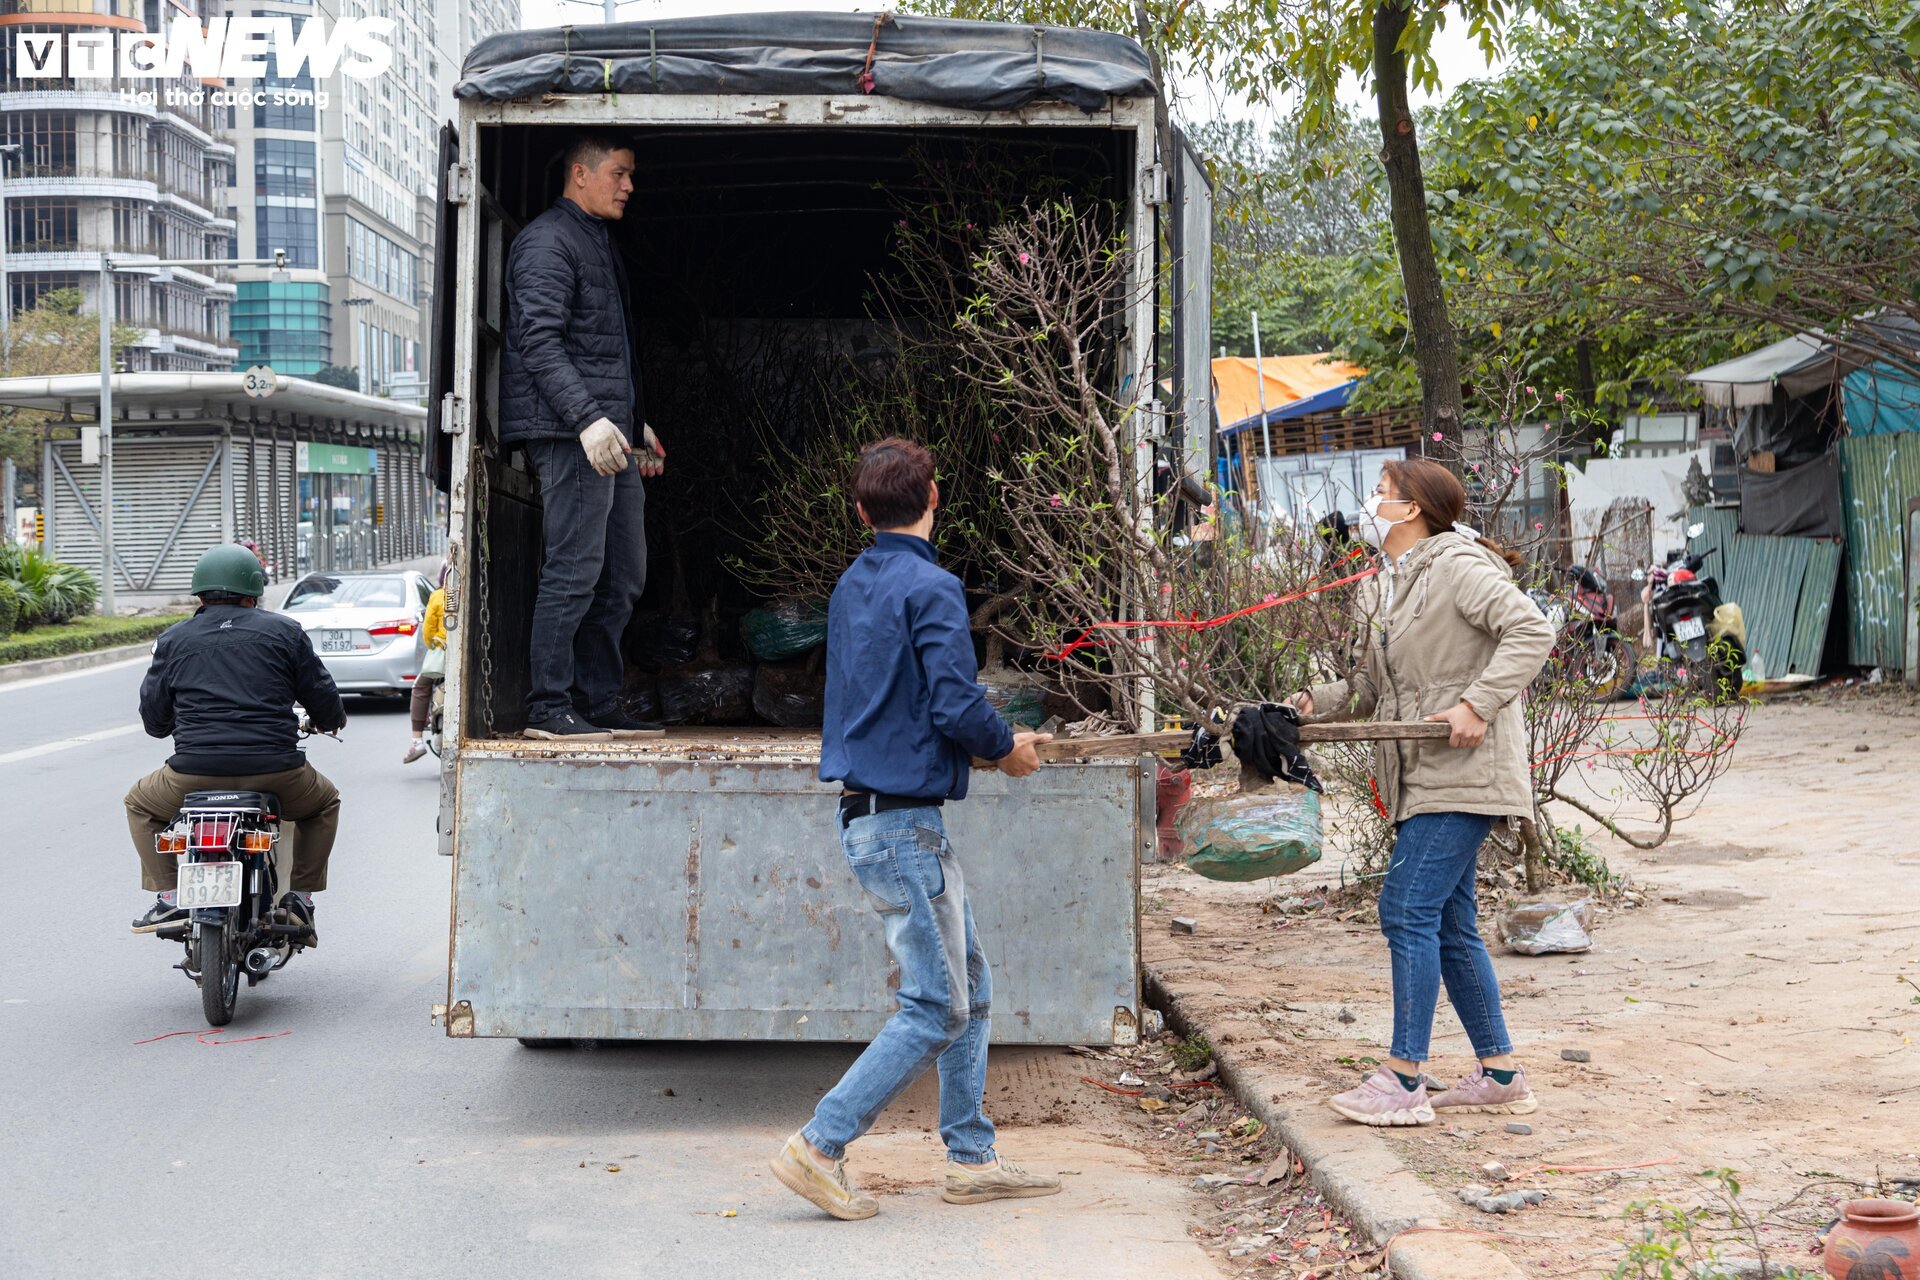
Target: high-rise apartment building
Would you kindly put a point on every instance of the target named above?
(347, 187)
(100, 166)
(338, 172)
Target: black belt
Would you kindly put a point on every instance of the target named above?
(863, 804)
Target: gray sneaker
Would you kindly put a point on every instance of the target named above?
(1381, 1100)
(802, 1175)
(1002, 1180)
(1481, 1092)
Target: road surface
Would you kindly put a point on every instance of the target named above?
(356, 1140)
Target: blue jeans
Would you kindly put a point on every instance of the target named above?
(1427, 913)
(594, 571)
(907, 869)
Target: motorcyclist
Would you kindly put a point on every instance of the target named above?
(223, 683)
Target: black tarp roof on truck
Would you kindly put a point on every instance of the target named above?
(983, 66)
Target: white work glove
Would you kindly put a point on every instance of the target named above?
(606, 448)
(653, 461)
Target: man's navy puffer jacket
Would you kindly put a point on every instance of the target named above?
(569, 357)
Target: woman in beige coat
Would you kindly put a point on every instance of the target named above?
(1446, 636)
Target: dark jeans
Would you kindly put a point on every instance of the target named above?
(1427, 912)
(594, 571)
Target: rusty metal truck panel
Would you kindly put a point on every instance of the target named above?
(675, 899)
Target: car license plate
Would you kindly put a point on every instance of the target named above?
(336, 642)
(208, 884)
(1686, 629)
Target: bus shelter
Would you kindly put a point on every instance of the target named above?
(318, 477)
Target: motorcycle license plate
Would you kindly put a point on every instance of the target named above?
(336, 642)
(208, 884)
(1686, 629)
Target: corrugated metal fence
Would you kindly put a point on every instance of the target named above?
(1878, 473)
(1784, 587)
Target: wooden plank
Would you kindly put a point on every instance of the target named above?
(1129, 745)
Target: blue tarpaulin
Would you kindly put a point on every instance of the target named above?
(1319, 402)
(1880, 400)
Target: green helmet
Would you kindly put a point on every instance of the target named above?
(229, 568)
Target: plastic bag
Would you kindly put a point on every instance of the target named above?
(791, 694)
(1253, 836)
(711, 695)
(1173, 789)
(638, 696)
(784, 629)
(1547, 925)
(1020, 703)
(657, 642)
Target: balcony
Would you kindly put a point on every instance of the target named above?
(99, 8)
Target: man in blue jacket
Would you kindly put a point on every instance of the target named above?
(905, 716)
(570, 396)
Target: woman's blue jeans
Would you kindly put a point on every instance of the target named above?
(907, 869)
(1427, 913)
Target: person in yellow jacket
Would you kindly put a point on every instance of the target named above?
(433, 630)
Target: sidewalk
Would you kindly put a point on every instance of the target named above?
(1757, 1014)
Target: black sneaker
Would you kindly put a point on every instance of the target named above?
(621, 725)
(292, 910)
(567, 727)
(161, 915)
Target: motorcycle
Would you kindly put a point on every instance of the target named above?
(1587, 637)
(436, 719)
(1690, 624)
(230, 887)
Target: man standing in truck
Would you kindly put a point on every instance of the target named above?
(905, 716)
(570, 397)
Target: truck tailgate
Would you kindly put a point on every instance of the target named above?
(709, 900)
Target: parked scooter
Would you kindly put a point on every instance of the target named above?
(1693, 628)
(1588, 639)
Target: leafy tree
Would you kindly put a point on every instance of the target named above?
(1687, 179)
(1289, 218)
(346, 377)
(51, 338)
(1298, 52)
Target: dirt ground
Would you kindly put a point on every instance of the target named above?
(1758, 1012)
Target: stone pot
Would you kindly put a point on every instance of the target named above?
(1875, 1240)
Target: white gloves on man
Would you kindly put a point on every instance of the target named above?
(608, 450)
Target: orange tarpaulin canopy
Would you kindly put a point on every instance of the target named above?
(1236, 383)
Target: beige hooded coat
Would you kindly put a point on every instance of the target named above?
(1456, 629)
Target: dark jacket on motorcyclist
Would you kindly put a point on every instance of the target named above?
(224, 682)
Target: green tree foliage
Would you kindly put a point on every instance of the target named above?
(1290, 214)
(51, 338)
(1298, 53)
(1684, 181)
(346, 377)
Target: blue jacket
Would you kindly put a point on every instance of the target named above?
(905, 713)
(570, 356)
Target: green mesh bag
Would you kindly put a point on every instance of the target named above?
(1252, 837)
(784, 629)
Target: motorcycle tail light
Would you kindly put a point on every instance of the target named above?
(171, 842)
(211, 833)
(256, 841)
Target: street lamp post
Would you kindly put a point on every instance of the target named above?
(105, 419)
(7, 151)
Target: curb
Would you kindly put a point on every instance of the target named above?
(1361, 1178)
(13, 672)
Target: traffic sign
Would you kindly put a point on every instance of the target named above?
(259, 381)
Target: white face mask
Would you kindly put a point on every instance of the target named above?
(1374, 527)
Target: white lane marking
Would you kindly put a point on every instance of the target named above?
(37, 681)
(85, 739)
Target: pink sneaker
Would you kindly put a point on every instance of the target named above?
(1481, 1092)
(1380, 1099)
